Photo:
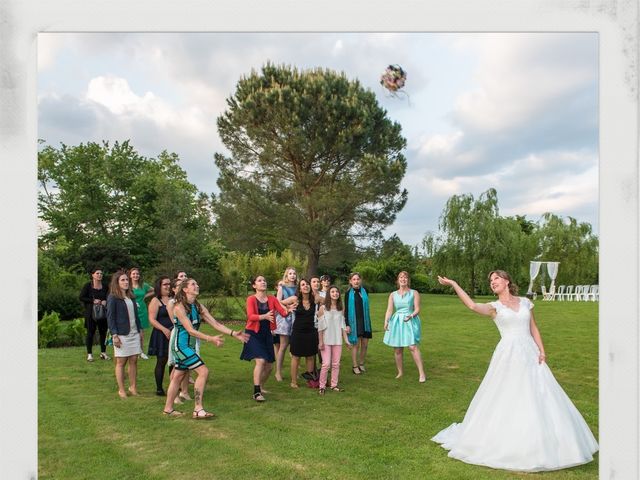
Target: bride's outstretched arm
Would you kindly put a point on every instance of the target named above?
(535, 333)
(481, 308)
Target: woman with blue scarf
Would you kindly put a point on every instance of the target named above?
(358, 322)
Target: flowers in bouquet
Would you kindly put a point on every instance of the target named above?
(393, 78)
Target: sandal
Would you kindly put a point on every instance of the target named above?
(172, 413)
(258, 397)
(361, 367)
(321, 391)
(337, 389)
(294, 385)
(356, 370)
(185, 397)
(202, 414)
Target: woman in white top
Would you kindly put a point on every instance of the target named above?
(126, 331)
(331, 333)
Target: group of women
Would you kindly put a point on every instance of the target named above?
(520, 418)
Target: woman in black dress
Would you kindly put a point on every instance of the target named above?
(93, 293)
(304, 335)
(162, 326)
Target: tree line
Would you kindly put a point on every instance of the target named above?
(312, 177)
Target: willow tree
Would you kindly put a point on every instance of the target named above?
(474, 239)
(313, 158)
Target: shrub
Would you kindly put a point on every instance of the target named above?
(423, 283)
(225, 308)
(49, 329)
(60, 299)
(74, 333)
(380, 287)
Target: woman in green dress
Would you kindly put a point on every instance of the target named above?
(141, 290)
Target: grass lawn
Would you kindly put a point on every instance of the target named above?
(379, 427)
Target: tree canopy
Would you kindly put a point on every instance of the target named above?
(474, 240)
(313, 159)
(110, 206)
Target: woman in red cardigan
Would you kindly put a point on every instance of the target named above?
(261, 321)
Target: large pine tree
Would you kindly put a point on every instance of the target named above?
(313, 158)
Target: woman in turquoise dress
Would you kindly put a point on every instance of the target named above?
(191, 314)
(402, 327)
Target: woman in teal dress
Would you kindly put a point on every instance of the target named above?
(191, 314)
(402, 327)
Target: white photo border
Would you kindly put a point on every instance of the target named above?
(616, 22)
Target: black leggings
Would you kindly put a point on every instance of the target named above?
(101, 325)
(161, 362)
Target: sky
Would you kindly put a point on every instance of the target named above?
(517, 112)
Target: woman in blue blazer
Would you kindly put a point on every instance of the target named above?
(126, 331)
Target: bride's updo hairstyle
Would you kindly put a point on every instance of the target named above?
(513, 288)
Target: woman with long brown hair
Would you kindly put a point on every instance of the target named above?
(261, 321)
(304, 334)
(190, 314)
(126, 331)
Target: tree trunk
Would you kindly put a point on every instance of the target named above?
(473, 282)
(313, 258)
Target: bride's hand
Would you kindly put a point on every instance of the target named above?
(542, 358)
(445, 281)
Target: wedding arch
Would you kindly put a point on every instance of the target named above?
(534, 269)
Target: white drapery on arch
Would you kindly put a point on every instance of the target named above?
(534, 269)
(552, 268)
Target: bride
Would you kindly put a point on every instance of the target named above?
(520, 418)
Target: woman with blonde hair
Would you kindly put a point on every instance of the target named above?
(126, 331)
(284, 324)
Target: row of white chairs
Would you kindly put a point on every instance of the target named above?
(569, 293)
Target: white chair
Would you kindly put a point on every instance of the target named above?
(568, 293)
(592, 293)
(560, 293)
(547, 296)
(552, 293)
(577, 293)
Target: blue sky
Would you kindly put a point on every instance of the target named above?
(514, 111)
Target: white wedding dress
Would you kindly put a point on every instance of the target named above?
(520, 418)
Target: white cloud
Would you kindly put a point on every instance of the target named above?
(518, 76)
(440, 144)
(116, 95)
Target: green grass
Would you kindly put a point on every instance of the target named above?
(378, 428)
